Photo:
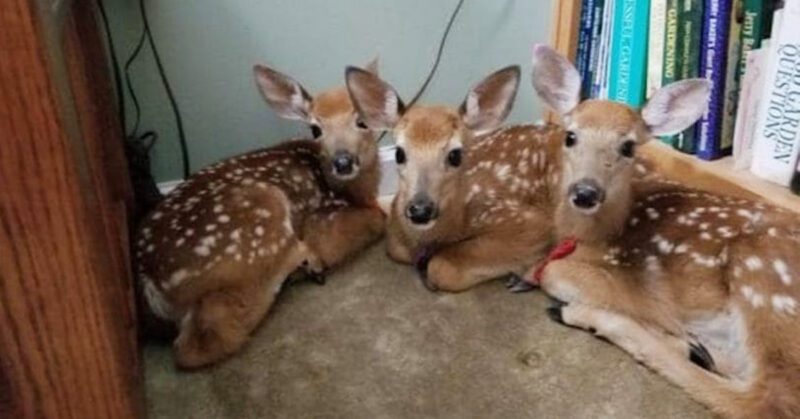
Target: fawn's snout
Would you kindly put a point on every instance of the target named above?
(345, 165)
(421, 211)
(586, 195)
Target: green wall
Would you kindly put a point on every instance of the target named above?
(209, 47)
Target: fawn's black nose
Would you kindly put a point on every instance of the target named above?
(586, 194)
(344, 163)
(421, 210)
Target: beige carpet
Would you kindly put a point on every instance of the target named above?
(373, 343)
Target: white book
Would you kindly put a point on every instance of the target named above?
(655, 47)
(752, 84)
(777, 135)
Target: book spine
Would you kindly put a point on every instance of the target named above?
(671, 54)
(629, 52)
(655, 52)
(778, 132)
(584, 39)
(713, 61)
(601, 82)
(753, 26)
(690, 33)
(594, 47)
(731, 96)
(752, 85)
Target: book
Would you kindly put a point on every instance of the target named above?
(584, 43)
(600, 85)
(626, 78)
(776, 141)
(754, 16)
(656, 48)
(713, 62)
(751, 86)
(731, 96)
(594, 47)
(670, 66)
(690, 21)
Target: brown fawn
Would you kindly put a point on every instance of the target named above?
(213, 255)
(472, 198)
(701, 287)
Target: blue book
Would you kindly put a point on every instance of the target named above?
(713, 63)
(594, 49)
(628, 61)
(585, 44)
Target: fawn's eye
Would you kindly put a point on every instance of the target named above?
(571, 139)
(400, 155)
(360, 124)
(627, 148)
(316, 131)
(454, 157)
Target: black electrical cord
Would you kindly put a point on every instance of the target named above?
(175, 110)
(436, 61)
(114, 63)
(131, 92)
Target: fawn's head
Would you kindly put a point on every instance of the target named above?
(431, 140)
(347, 144)
(602, 136)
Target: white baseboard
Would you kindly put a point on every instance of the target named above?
(388, 185)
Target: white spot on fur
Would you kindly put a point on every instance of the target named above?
(782, 270)
(178, 277)
(223, 218)
(259, 231)
(755, 298)
(652, 213)
(784, 304)
(157, 215)
(753, 263)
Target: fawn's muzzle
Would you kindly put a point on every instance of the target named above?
(586, 195)
(345, 164)
(421, 210)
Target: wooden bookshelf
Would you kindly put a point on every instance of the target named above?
(716, 175)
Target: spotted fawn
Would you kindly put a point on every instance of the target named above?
(472, 198)
(701, 287)
(213, 255)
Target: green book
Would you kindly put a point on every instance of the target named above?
(755, 18)
(731, 100)
(690, 20)
(671, 61)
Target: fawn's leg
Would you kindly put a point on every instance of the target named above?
(335, 235)
(677, 361)
(509, 246)
(574, 281)
(218, 324)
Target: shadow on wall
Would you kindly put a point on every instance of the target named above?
(209, 48)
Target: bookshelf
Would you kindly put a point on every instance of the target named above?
(718, 175)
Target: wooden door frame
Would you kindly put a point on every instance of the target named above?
(67, 325)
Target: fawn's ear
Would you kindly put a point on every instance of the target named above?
(372, 65)
(676, 106)
(283, 94)
(555, 79)
(489, 102)
(377, 103)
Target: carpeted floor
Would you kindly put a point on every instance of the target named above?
(373, 343)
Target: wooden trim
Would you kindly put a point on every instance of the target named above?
(67, 330)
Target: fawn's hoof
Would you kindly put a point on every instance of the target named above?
(555, 311)
(699, 355)
(517, 284)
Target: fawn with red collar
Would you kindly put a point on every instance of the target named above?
(472, 199)
(213, 255)
(701, 287)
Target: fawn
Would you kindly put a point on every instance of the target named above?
(214, 253)
(472, 199)
(701, 287)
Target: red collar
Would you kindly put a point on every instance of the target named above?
(560, 251)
